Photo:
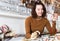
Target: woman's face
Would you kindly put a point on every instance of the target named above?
(39, 10)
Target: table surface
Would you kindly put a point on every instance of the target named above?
(42, 38)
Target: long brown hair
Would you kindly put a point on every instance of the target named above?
(33, 12)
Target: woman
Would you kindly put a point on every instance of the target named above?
(37, 21)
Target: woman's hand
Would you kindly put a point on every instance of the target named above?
(55, 16)
(35, 34)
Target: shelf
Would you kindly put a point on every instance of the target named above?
(21, 10)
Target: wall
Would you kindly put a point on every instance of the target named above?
(15, 22)
(58, 24)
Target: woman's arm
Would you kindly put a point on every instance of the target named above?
(27, 27)
(52, 30)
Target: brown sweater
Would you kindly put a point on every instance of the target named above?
(32, 25)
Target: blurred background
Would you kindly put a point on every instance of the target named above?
(14, 12)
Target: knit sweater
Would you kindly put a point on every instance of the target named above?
(31, 25)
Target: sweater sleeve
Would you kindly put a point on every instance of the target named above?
(27, 27)
(52, 30)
